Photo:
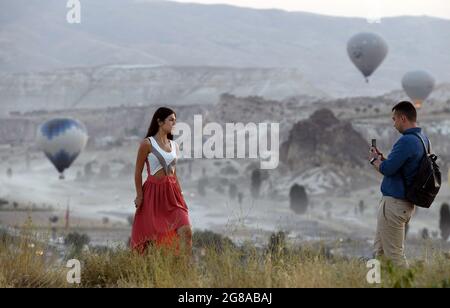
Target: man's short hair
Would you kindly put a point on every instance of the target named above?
(407, 109)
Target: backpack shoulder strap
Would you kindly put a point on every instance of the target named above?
(423, 143)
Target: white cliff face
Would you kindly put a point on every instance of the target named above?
(113, 86)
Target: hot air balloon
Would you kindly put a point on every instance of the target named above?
(367, 51)
(418, 85)
(62, 140)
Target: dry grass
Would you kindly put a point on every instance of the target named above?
(23, 264)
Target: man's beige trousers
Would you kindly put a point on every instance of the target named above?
(393, 215)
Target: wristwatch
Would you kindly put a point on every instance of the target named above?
(373, 160)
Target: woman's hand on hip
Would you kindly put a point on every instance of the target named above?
(138, 201)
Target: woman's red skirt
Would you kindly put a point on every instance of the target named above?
(162, 212)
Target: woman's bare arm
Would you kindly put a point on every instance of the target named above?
(144, 149)
(178, 182)
(175, 171)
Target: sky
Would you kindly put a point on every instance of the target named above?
(371, 9)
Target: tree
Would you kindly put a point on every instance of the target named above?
(298, 199)
(444, 221)
(130, 219)
(232, 191)
(362, 207)
(211, 240)
(425, 234)
(240, 197)
(277, 243)
(256, 183)
(53, 219)
(105, 220)
(201, 186)
(105, 171)
(88, 169)
(3, 202)
(76, 241)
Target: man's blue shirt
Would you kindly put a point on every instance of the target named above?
(402, 163)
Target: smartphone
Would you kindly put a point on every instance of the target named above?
(374, 143)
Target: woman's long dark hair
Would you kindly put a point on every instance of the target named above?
(161, 114)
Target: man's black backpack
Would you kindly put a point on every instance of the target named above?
(427, 182)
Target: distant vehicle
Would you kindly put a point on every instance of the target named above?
(367, 51)
(62, 140)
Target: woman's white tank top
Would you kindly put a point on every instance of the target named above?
(160, 159)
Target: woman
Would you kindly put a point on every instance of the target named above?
(162, 216)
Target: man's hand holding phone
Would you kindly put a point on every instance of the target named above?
(374, 150)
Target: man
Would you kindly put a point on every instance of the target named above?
(399, 170)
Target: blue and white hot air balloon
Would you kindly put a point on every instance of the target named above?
(62, 140)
